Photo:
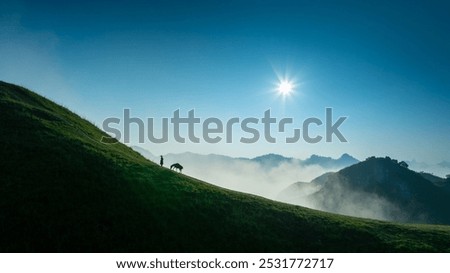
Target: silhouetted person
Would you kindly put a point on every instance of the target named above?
(161, 161)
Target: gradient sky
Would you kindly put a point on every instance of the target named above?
(384, 65)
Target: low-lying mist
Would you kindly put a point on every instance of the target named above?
(268, 181)
(314, 183)
(265, 176)
(341, 199)
(252, 177)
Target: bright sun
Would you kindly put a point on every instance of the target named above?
(285, 87)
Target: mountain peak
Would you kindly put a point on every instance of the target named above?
(378, 188)
(344, 160)
(346, 156)
(271, 156)
(272, 160)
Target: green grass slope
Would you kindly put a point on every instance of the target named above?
(61, 190)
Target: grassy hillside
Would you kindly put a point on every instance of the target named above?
(61, 190)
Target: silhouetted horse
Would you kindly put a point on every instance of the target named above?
(176, 166)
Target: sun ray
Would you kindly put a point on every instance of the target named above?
(285, 87)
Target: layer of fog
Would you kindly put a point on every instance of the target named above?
(336, 198)
(252, 177)
(245, 175)
(241, 174)
(277, 182)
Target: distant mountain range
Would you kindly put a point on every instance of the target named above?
(275, 160)
(441, 168)
(264, 175)
(379, 188)
(268, 160)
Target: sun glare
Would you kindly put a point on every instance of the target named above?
(285, 87)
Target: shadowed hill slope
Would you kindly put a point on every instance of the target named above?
(379, 188)
(61, 190)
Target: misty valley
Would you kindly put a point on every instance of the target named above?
(377, 188)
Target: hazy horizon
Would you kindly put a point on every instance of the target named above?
(417, 166)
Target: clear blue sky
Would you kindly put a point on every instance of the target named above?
(384, 64)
